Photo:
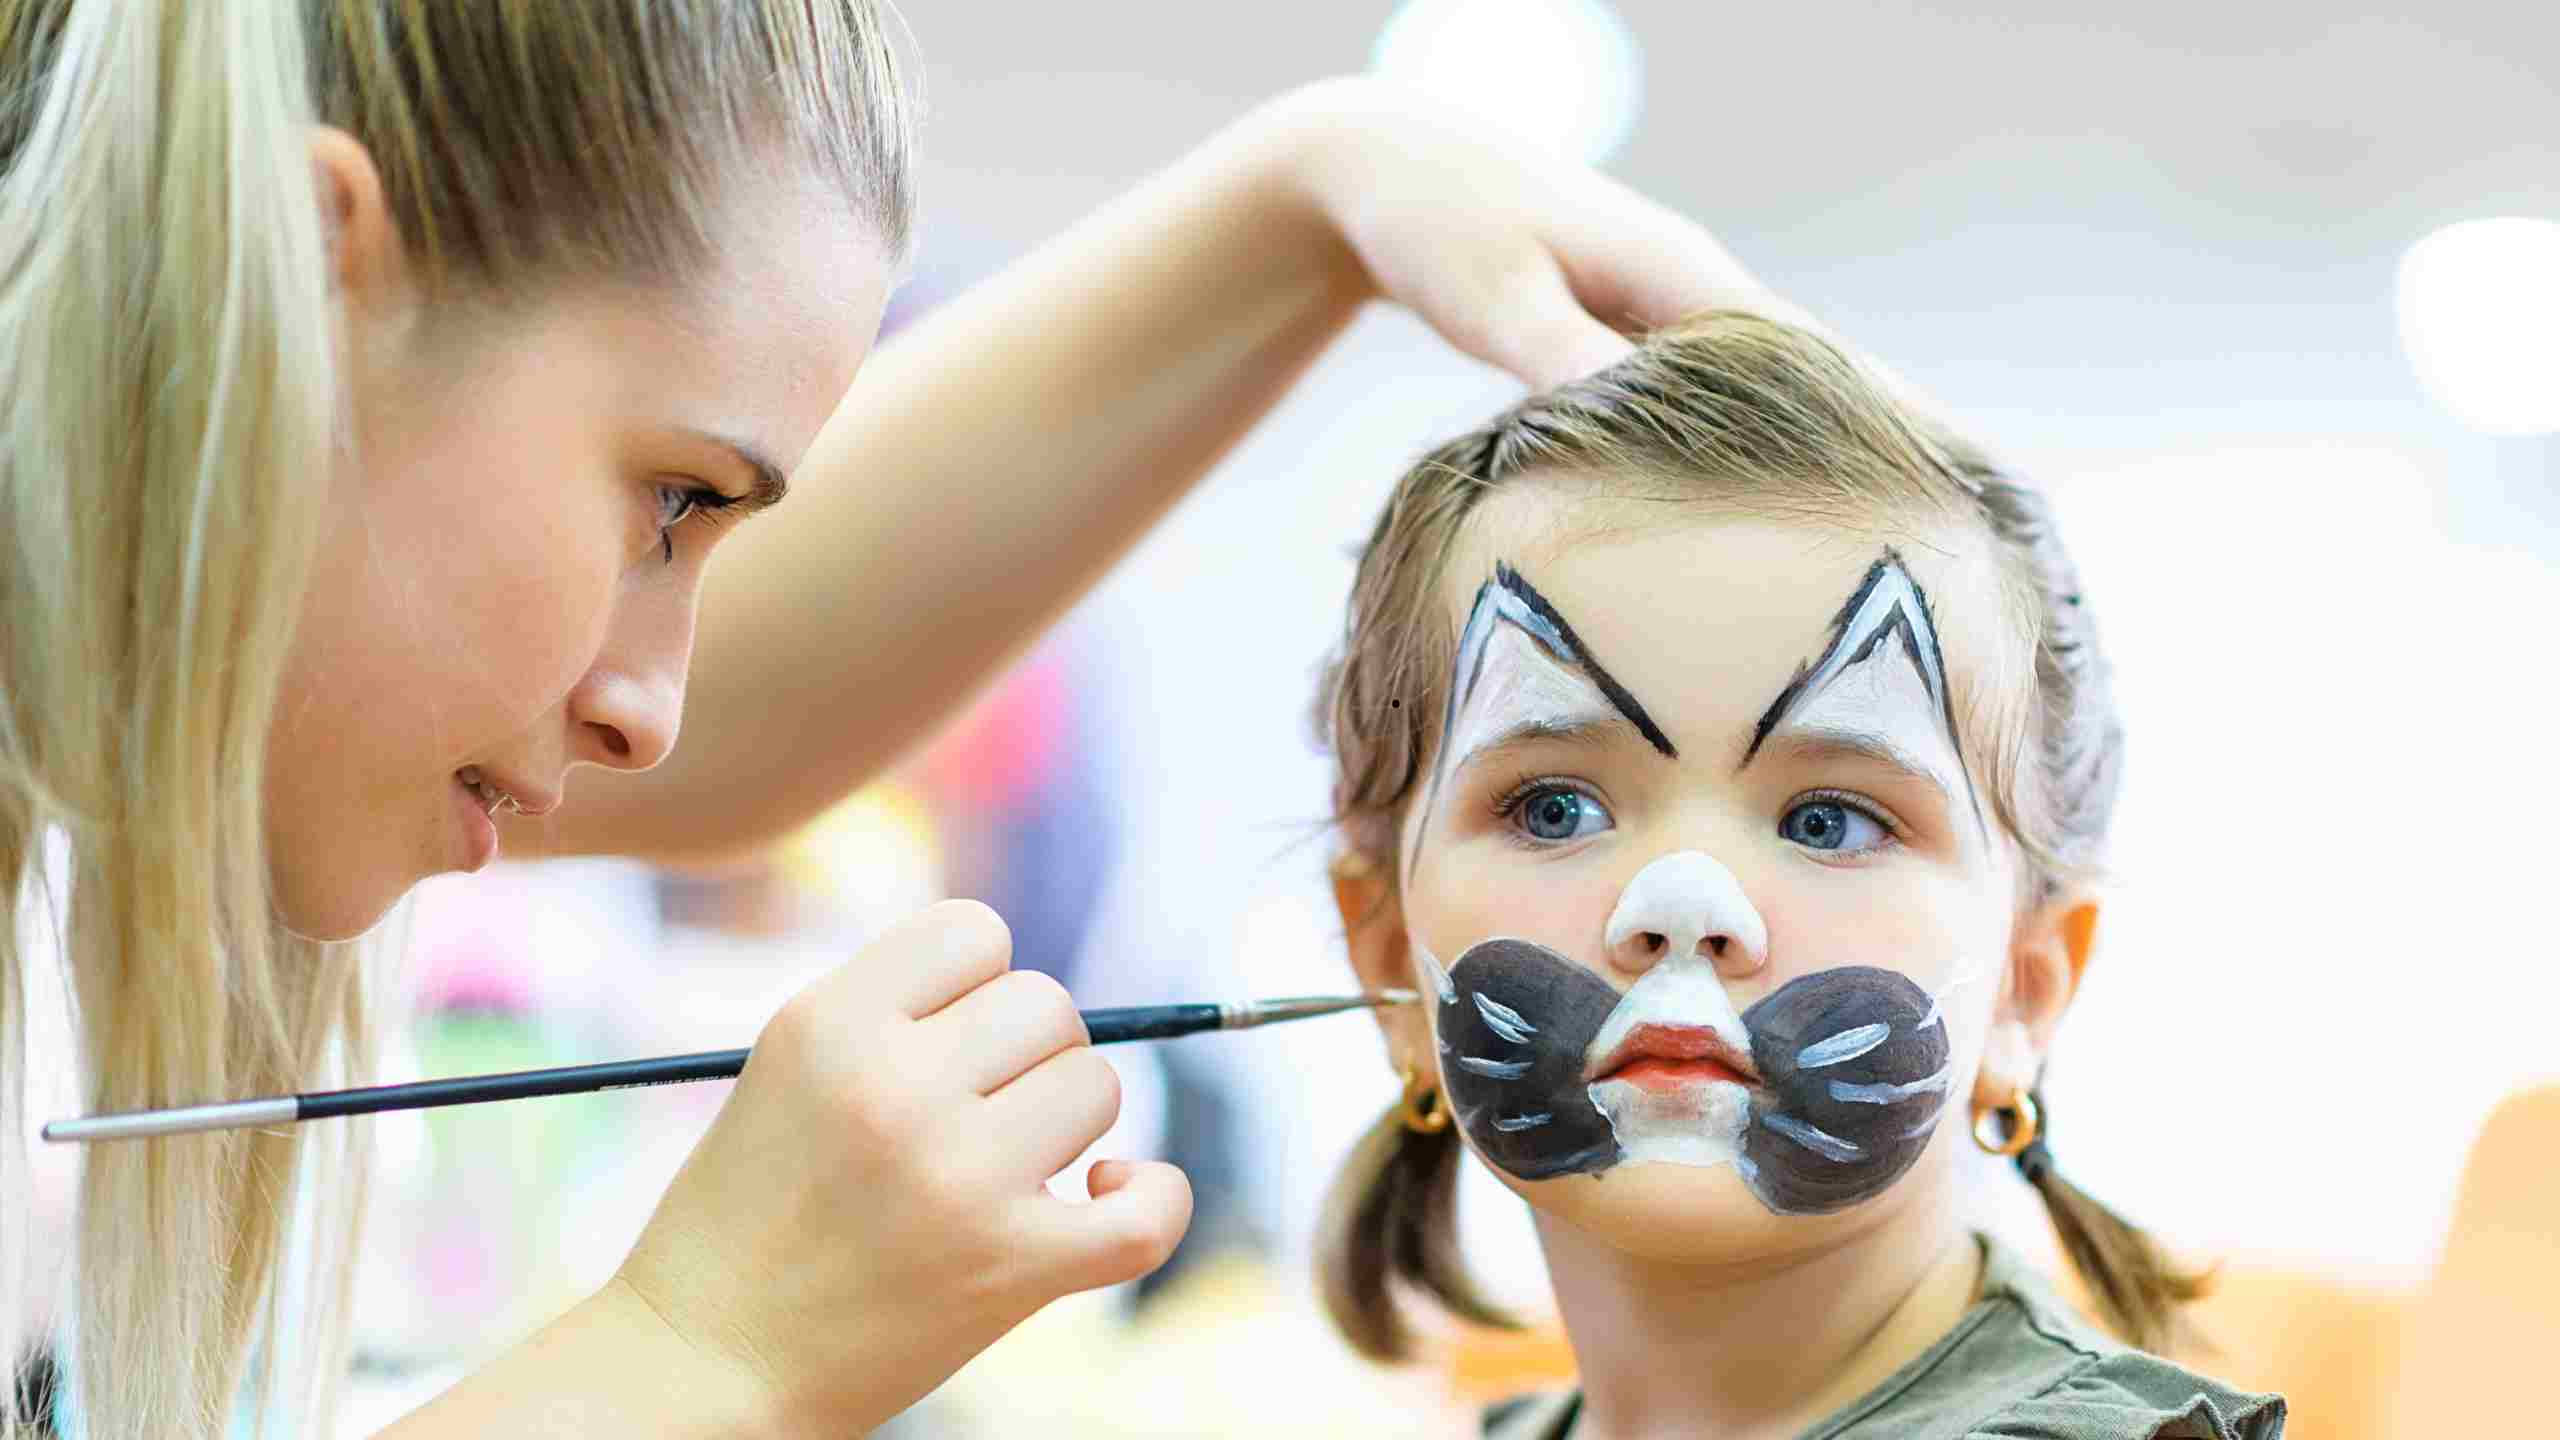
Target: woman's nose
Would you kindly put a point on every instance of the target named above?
(1686, 904)
(627, 722)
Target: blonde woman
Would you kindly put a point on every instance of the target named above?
(380, 377)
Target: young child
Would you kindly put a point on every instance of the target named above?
(1724, 753)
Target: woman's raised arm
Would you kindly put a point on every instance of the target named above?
(993, 463)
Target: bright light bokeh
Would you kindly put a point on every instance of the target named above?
(2480, 318)
(1564, 74)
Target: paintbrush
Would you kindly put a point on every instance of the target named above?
(1107, 1027)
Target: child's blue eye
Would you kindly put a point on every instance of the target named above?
(1554, 813)
(1832, 825)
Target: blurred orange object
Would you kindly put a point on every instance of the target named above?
(1486, 1365)
(2487, 1324)
(2330, 1347)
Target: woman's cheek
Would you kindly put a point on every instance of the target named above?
(546, 625)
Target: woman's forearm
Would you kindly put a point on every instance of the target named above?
(988, 467)
(607, 1367)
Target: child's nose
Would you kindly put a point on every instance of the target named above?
(1686, 904)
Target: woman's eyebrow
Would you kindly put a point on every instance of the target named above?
(766, 484)
(1813, 743)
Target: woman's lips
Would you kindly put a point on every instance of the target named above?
(1666, 1057)
(479, 832)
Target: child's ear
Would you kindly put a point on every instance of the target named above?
(1373, 928)
(2048, 953)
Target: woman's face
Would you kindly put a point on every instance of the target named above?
(518, 526)
(1703, 898)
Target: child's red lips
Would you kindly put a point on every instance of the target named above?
(1661, 1056)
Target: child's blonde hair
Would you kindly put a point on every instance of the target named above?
(1753, 417)
(173, 418)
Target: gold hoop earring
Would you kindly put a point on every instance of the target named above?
(1421, 1109)
(2022, 1125)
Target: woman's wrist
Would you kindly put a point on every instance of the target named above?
(611, 1365)
(1313, 149)
(716, 1393)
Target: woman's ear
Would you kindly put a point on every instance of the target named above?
(1373, 929)
(368, 260)
(2048, 953)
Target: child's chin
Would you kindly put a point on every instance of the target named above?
(1657, 1210)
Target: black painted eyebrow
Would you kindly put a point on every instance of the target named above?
(1617, 694)
(1912, 631)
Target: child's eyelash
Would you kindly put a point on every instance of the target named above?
(1860, 803)
(1508, 802)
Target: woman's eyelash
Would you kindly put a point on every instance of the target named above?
(695, 500)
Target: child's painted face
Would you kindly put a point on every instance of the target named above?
(1699, 876)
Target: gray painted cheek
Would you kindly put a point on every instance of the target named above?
(1517, 1026)
(1828, 1135)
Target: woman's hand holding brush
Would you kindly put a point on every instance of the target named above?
(869, 1209)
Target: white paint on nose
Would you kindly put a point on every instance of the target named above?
(1685, 905)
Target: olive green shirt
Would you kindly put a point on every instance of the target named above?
(2020, 1365)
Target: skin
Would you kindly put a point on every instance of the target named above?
(490, 592)
(1693, 1307)
(1126, 358)
(494, 587)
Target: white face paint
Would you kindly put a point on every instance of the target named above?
(1517, 688)
(1882, 703)
(1684, 908)
(1522, 690)
(1520, 673)
(1880, 684)
(1436, 973)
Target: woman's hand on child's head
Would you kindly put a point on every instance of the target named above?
(869, 1210)
(1523, 260)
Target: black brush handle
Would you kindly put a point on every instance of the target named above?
(1108, 1027)
(1150, 1022)
(524, 1084)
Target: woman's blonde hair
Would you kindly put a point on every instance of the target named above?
(1746, 416)
(173, 414)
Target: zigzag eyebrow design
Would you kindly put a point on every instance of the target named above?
(1509, 598)
(1518, 601)
(1887, 605)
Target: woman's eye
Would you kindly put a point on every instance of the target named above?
(674, 503)
(679, 503)
(1555, 813)
(1832, 825)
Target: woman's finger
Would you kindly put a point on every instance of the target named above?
(1002, 1029)
(1639, 265)
(1053, 1112)
(920, 964)
(1516, 311)
(1138, 1213)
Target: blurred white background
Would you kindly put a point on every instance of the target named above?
(2152, 253)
